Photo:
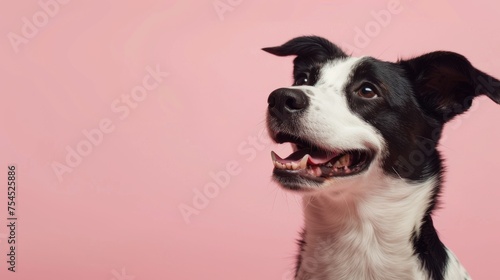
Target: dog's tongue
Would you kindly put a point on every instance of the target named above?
(316, 157)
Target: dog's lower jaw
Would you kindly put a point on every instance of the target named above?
(367, 236)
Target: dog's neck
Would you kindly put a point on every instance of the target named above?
(369, 236)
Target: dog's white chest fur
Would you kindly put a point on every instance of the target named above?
(365, 237)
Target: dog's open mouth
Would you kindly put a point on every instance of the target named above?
(317, 164)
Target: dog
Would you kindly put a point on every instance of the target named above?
(364, 134)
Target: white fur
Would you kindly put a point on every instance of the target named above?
(455, 270)
(364, 235)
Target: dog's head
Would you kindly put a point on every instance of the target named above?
(356, 119)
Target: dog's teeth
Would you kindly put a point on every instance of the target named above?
(292, 165)
(273, 156)
(279, 165)
(317, 171)
(303, 162)
(343, 161)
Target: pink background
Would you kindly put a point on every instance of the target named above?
(116, 215)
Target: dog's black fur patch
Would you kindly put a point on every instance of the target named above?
(311, 53)
(396, 114)
(430, 250)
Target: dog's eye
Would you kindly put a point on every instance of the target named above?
(367, 91)
(302, 79)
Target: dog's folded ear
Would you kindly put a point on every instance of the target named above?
(445, 83)
(311, 47)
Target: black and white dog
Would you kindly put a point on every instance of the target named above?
(364, 134)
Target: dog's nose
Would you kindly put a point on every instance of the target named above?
(286, 101)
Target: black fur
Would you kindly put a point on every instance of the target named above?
(311, 51)
(430, 250)
(445, 83)
(312, 48)
(302, 243)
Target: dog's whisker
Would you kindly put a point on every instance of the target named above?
(285, 197)
(397, 173)
(296, 200)
(308, 202)
(274, 199)
(426, 138)
(347, 205)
